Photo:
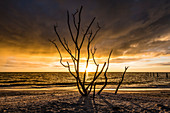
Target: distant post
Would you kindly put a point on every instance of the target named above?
(166, 75)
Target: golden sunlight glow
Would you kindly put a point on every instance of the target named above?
(52, 64)
(91, 68)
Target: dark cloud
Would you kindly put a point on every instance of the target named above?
(129, 27)
(143, 39)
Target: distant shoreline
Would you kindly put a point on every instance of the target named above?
(74, 88)
(88, 72)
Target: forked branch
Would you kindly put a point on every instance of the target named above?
(77, 43)
(61, 59)
(79, 21)
(98, 26)
(95, 77)
(55, 29)
(88, 57)
(68, 65)
(68, 23)
(74, 19)
(105, 74)
(121, 80)
(86, 32)
(93, 52)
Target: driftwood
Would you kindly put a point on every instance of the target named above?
(121, 80)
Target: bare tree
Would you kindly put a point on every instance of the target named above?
(78, 42)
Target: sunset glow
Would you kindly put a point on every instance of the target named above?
(91, 68)
(138, 33)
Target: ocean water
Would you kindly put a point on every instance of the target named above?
(44, 79)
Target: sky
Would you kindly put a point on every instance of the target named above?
(138, 31)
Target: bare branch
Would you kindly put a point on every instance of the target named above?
(77, 81)
(52, 41)
(74, 19)
(90, 35)
(90, 89)
(67, 66)
(88, 57)
(68, 23)
(94, 90)
(93, 52)
(63, 43)
(105, 74)
(76, 54)
(78, 62)
(79, 21)
(100, 71)
(74, 64)
(66, 44)
(121, 80)
(86, 32)
(95, 77)
(96, 32)
(70, 71)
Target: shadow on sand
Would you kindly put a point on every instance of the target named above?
(83, 105)
(73, 102)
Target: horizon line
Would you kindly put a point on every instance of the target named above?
(81, 72)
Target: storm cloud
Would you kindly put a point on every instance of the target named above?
(129, 27)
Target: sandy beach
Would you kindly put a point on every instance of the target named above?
(85, 56)
(53, 101)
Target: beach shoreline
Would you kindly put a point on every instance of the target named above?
(72, 101)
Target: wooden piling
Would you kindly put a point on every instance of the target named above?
(166, 75)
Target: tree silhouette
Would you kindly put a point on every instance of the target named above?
(78, 41)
